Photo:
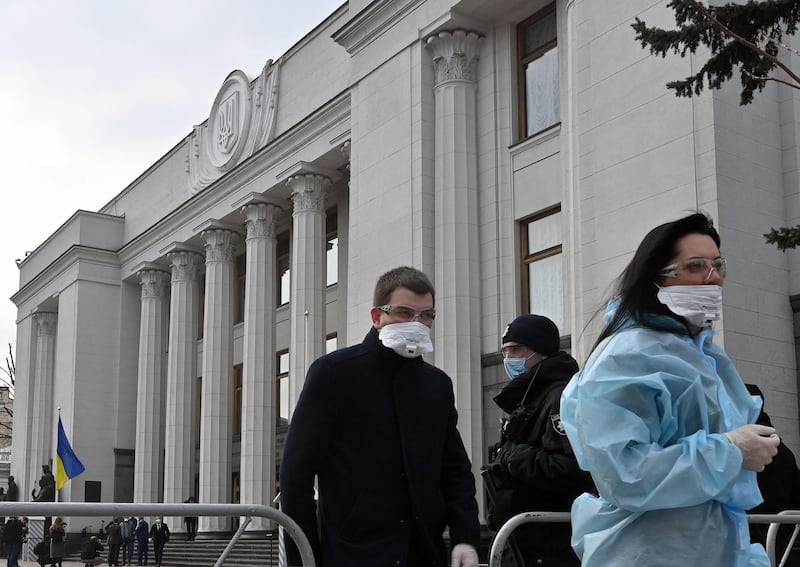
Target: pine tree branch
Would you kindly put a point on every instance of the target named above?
(780, 44)
(730, 33)
(765, 79)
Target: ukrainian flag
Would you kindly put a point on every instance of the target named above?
(68, 466)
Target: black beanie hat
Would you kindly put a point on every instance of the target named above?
(534, 331)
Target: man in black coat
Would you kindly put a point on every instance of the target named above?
(159, 533)
(13, 536)
(12, 495)
(142, 532)
(535, 468)
(376, 424)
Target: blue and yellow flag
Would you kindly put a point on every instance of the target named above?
(68, 466)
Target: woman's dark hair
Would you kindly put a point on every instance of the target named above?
(635, 287)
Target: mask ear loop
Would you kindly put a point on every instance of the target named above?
(525, 397)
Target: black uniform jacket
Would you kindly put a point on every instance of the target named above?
(537, 467)
(379, 431)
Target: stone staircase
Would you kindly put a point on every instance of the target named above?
(250, 552)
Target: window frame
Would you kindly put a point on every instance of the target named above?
(238, 383)
(527, 258)
(283, 250)
(240, 276)
(280, 375)
(331, 233)
(523, 60)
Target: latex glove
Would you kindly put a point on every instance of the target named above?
(464, 555)
(758, 444)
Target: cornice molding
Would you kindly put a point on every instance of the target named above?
(372, 22)
(74, 254)
(62, 227)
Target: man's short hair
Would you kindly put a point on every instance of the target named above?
(404, 276)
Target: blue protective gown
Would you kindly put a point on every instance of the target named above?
(646, 417)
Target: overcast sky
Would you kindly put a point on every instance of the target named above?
(92, 92)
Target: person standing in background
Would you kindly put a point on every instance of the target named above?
(159, 533)
(58, 543)
(128, 528)
(114, 534)
(779, 483)
(142, 533)
(12, 494)
(13, 538)
(191, 521)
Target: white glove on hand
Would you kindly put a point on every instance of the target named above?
(464, 555)
(758, 444)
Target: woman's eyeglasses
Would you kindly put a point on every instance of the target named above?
(697, 266)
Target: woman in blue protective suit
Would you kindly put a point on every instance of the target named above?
(661, 419)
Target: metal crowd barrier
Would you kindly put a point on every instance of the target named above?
(774, 521)
(793, 517)
(505, 531)
(113, 510)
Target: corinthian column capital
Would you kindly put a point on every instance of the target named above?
(308, 191)
(45, 323)
(455, 55)
(154, 282)
(260, 220)
(185, 265)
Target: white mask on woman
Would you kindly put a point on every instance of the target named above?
(407, 339)
(700, 305)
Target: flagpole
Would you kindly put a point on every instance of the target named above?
(55, 490)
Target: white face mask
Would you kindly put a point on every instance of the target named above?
(700, 305)
(407, 339)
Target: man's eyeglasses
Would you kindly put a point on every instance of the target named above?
(697, 266)
(408, 314)
(513, 351)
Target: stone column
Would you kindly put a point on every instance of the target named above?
(257, 472)
(148, 469)
(41, 448)
(456, 265)
(181, 417)
(216, 408)
(307, 311)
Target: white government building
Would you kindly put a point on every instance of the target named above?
(515, 150)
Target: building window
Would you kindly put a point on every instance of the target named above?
(282, 395)
(201, 316)
(241, 276)
(331, 343)
(283, 386)
(542, 279)
(538, 72)
(284, 266)
(123, 475)
(92, 491)
(238, 371)
(198, 423)
(331, 248)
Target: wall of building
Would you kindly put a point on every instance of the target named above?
(758, 328)
(627, 156)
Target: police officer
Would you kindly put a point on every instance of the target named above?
(534, 467)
